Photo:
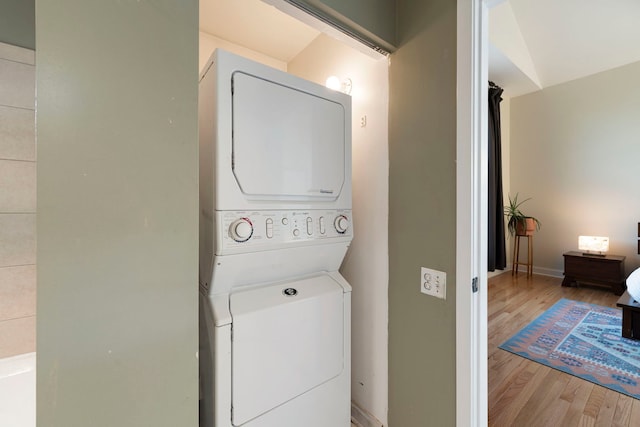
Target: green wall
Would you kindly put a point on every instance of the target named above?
(117, 213)
(117, 226)
(422, 214)
(18, 23)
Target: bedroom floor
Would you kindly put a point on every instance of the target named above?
(523, 392)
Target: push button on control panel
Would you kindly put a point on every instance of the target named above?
(309, 226)
(269, 228)
(321, 225)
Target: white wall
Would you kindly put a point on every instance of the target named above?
(17, 201)
(504, 33)
(366, 265)
(575, 149)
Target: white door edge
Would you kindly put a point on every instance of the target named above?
(471, 214)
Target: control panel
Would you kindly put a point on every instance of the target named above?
(253, 230)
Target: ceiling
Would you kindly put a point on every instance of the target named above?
(540, 43)
(256, 25)
(533, 44)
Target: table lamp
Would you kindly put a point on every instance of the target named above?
(593, 245)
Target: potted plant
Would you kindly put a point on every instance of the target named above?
(518, 223)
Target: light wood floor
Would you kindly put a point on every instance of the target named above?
(526, 393)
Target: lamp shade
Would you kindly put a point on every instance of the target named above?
(596, 244)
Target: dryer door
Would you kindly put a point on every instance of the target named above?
(287, 339)
(287, 144)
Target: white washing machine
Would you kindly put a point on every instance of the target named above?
(275, 224)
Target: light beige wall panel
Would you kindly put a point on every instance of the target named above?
(117, 213)
(17, 84)
(17, 239)
(575, 150)
(17, 336)
(366, 265)
(17, 54)
(17, 186)
(17, 197)
(17, 292)
(17, 133)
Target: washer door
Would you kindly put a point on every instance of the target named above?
(287, 339)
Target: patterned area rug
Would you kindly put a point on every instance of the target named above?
(583, 340)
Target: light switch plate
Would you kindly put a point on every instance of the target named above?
(433, 282)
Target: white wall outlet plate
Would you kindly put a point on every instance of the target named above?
(433, 282)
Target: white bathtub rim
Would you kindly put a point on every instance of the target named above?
(16, 365)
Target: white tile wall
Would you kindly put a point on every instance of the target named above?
(17, 54)
(18, 291)
(18, 336)
(21, 92)
(17, 201)
(17, 239)
(17, 186)
(17, 134)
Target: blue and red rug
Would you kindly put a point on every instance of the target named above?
(583, 340)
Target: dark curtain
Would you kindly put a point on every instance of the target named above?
(497, 256)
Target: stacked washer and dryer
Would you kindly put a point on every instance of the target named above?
(275, 225)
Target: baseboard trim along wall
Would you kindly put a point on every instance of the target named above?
(542, 271)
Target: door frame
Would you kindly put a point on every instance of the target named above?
(471, 213)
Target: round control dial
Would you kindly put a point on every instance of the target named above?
(341, 223)
(241, 230)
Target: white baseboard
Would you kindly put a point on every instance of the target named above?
(548, 272)
(362, 418)
(495, 273)
(543, 271)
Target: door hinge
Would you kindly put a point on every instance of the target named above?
(474, 285)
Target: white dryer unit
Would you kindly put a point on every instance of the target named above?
(275, 224)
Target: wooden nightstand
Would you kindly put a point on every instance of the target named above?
(630, 316)
(599, 270)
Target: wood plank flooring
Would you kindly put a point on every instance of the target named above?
(526, 393)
